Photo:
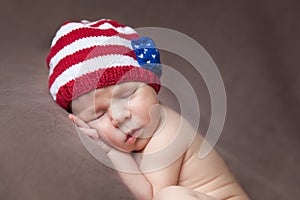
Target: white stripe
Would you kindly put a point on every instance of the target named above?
(80, 69)
(86, 43)
(125, 30)
(65, 29)
(91, 23)
(84, 21)
(94, 22)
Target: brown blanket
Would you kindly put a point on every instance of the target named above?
(255, 44)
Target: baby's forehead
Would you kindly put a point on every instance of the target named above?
(86, 102)
(113, 89)
(109, 91)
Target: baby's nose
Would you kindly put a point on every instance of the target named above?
(119, 114)
(115, 123)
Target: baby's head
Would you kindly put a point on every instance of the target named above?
(108, 75)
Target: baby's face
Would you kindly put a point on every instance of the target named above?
(125, 115)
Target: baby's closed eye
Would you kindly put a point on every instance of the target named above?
(128, 93)
(100, 115)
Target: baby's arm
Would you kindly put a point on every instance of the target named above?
(136, 182)
(160, 184)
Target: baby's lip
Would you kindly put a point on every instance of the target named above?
(134, 133)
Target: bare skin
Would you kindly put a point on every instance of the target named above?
(129, 118)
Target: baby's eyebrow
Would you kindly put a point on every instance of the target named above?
(120, 88)
(126, 87)
(117, 92)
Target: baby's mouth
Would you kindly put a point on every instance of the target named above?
(132, 136)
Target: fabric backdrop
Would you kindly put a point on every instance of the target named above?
(255, 45)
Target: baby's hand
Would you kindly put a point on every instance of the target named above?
(92, 133)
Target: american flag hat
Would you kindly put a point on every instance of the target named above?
(88, 55)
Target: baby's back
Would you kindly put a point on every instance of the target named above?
(209, 175)
(176, 146)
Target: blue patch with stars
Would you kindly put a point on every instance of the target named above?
(147, 54)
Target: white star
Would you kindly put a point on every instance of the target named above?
(153, 55)
(141, 55)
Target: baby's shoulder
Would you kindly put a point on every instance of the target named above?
(173, 131)
(171, 141)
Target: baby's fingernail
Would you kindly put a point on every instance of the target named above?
(71, 117)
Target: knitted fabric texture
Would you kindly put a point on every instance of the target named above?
(90, 55)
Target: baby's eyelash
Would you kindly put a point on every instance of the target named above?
(129, 93)
(100, 115)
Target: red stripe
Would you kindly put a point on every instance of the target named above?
(128, 36)
(102, 78)
(82, 33)
(86, 54)
(112, 22)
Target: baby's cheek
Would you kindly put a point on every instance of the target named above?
(92, 124)
(95, 125)
(102, 126)
(142, 104)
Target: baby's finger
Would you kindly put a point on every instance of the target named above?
(79, 122)
(90, 132)
(104, 146)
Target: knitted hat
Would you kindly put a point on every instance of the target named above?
(89, 55)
